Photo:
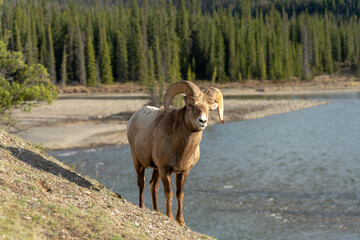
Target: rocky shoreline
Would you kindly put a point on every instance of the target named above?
(88, 120)
(83, 118)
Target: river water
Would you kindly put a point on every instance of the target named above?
(288, 176)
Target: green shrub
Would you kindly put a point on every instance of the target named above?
(21, 86)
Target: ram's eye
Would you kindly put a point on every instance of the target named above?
(191, 106)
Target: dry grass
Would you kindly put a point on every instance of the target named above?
(42, 198)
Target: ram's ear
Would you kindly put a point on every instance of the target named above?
(214, 106)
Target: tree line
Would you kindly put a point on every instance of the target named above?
(22, 86)
(159, 42)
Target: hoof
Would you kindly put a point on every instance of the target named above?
(181, 222)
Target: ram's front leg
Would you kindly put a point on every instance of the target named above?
(180, 182)
(166, 180)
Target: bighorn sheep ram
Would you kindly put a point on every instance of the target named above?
(168, 140)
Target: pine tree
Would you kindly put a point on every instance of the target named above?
(251, 53)
(105, 60)
(70, 46)
(151, 69)
(91, 64)
(298, 60)
(121, 57)
(211, 63)
(172, 50)
(261, 63)
(241, 52)
(17, 38)
(232, 58)
(307, 74)
(350, 35)
(358, 65)
(344, 46)
(106, 71)
(153, 84)
(271, 45)
(288, 71)
(44, 55)
(336, 47)
(250, 38)
(142, 51)
(358, 54)
(278, 45)
(189, 75)
(51, 64)
(220, 57)
(135, 37)
(80, 57)
(315, 49)
(260, 46)
(29, 53)
(327, 59)
(175, 74)
(193, 69)
(201, 47)
(34, 43)
(183, 32)
(17, 27)
(159, 69)
(64, 77)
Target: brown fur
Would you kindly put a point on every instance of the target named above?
(169, 143)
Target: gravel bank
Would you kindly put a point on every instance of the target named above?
(86, 120)
(238, 110)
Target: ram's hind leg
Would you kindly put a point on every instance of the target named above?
(140, 171)
(154, 185)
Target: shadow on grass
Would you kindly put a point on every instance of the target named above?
(38, 162)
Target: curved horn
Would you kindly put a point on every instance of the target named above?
(186, 87)
(216, 95)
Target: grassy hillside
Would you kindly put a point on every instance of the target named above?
(42, 198)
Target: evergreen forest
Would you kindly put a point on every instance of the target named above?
(156, 42)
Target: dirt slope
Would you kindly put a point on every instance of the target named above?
(42, 198)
